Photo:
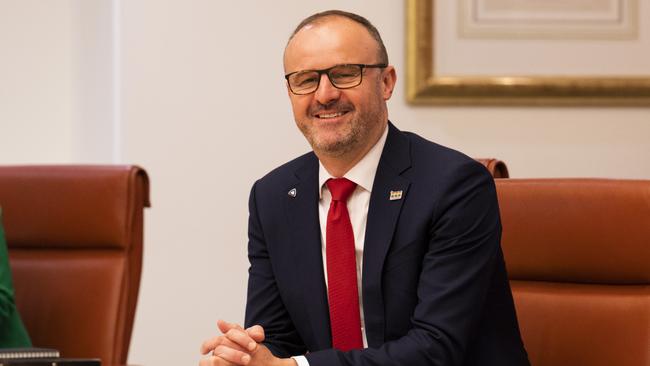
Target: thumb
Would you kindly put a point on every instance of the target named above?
(256, 332)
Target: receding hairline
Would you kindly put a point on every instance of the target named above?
(325, 16)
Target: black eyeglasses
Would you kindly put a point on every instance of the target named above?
(341, 76)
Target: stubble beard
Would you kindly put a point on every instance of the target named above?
(357, 131)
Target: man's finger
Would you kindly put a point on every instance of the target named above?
(212, 343)
(225, 326)
(214, 361)
(242, 339)
(232, 355)
(256, 332)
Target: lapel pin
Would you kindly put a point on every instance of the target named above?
(395, 195)
(292, 193)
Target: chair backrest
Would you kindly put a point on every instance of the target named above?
(75, 244)
(496, 167)
(578, 257)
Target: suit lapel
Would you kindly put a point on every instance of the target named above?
(302, 215)
(383, 214)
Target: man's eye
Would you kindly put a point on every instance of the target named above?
(305, 81)
(344, 75)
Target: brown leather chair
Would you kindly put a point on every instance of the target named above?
(75, 244)
(578, 256)
(496, 167)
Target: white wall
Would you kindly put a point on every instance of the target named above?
(37, 82)
(202, 106)
(55, 81)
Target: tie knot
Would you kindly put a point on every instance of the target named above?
(340, 188)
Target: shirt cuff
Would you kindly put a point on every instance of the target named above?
(301, 360)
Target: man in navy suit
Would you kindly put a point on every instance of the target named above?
(424, 239)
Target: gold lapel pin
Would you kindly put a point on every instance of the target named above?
(395, 195)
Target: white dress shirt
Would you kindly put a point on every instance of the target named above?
(363, 174)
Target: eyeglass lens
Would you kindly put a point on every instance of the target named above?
(341, 76)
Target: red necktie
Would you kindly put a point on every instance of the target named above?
(342, 269)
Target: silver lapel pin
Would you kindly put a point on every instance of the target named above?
(292, 193)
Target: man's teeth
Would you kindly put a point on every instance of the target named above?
(331, 115)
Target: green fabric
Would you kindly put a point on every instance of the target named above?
(12, 330)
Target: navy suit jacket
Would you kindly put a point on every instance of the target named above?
(434, 283)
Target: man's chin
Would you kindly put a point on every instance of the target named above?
(332, 148)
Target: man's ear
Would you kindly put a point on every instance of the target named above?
(388, 81)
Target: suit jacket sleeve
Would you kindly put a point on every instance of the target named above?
(264, 305)
(462, 254)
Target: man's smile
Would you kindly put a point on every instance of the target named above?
(330, 115)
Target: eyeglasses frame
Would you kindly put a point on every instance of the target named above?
(327, 72)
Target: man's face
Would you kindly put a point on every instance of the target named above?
(335, 121)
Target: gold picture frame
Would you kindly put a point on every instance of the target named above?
(425, 87)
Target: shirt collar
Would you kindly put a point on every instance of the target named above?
(363, 173)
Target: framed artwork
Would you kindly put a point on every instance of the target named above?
(548, 19)
(527, 52)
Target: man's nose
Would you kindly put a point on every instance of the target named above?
(326, 92)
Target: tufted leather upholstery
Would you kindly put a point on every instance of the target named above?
(578, 257)
(75, 243)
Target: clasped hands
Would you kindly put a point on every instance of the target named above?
(239, 346)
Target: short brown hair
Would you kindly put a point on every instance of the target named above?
(315, 18)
